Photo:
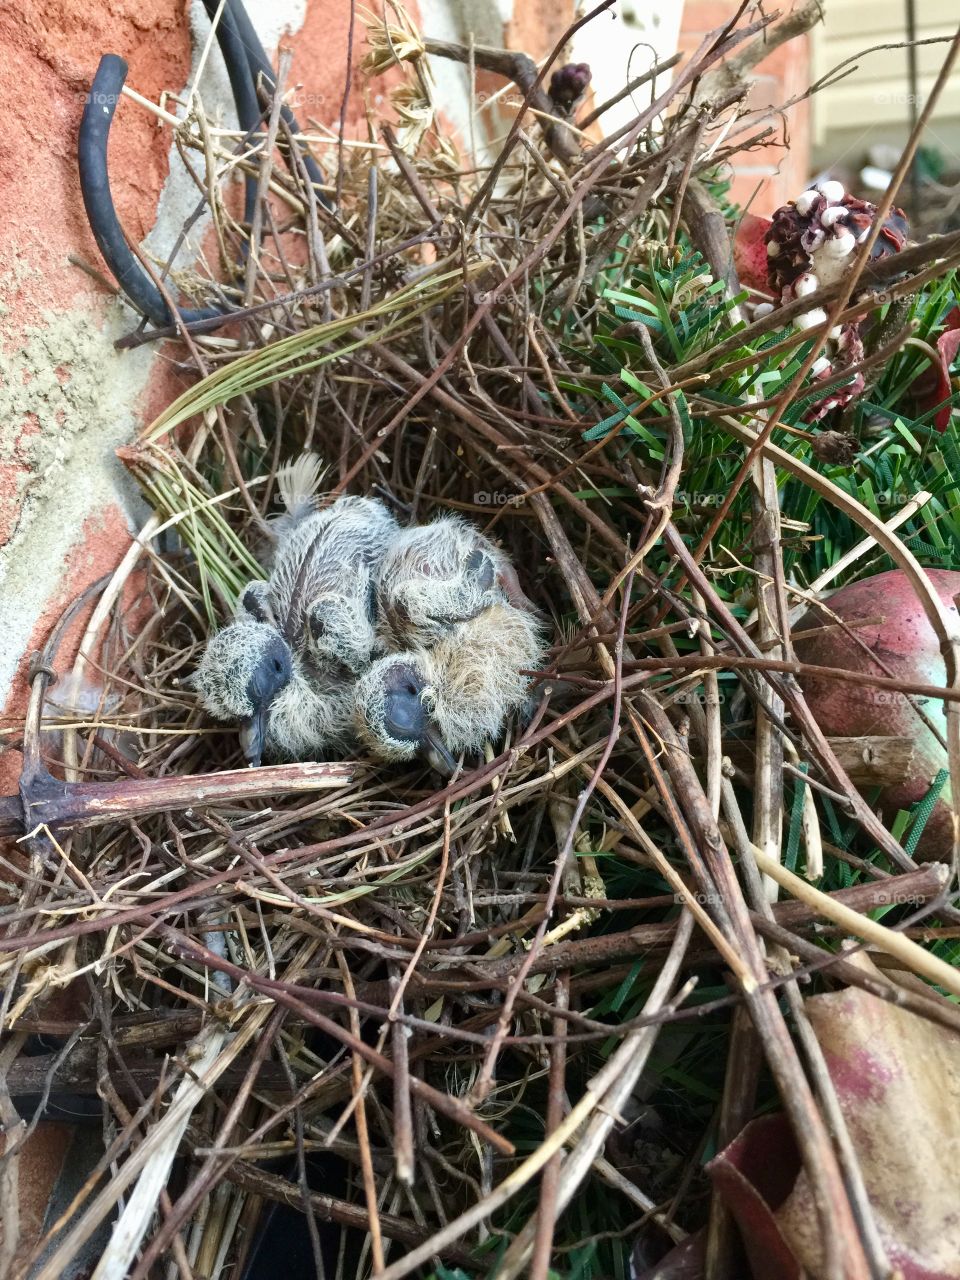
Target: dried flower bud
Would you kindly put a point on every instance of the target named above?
(568, 84)
(811, 244)
(835, 446)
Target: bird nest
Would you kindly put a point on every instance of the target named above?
(340, 985)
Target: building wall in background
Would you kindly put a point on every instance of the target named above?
(776, 170)
(873, 105)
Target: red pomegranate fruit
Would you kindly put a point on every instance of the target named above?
(885, 615)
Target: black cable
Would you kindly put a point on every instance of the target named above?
(92, 142)
(242, 86)
(259, 64)
(245, 60)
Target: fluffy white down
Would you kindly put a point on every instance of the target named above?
(423, 586)
(326, 566)
(308, 722)
(328, 557)
(474, 674)
(308, 719)
(370, 708)
(472, 681)
(228, 662)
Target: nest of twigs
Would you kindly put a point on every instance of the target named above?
(422, 1017)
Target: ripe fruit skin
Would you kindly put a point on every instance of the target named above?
(907, 646)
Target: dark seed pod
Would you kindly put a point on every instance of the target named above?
(568, 84)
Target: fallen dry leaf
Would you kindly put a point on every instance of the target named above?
(755, 1174)
(897, 1079)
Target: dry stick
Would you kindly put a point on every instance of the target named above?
(856, 1189)
(550, 1180)
(710, 864)
(660, 502)
(282, 300)
(656, 70)
(107, 1159)
(489, 183)
(798, 707)
(849, 557)
(484, 1081)
(588, 605)
(467, 415)
(263, 178)
(738, 1102)
(403, 1147)
(205, 1178)
(330, 1209)
(745, 1052)
(943, 252)
(934, 1007)
(449, 1106)
(392, 822)
(149, 1164)
(363, 1135)
(604, 1084)
(13, 1130)
(910, 954)
(88, 804)
(600, 161)
(225, 436)
(580, 1159)
(410, 175)
(404, 1158)
(789, 27)
(842, 1249)
(522, 70)
(771, 605)
(748, 662)
(942, 620)
(614, 1178)
(342, 122)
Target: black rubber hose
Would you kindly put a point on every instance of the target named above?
(245, 59)
(259, 64)
(244, 92)
(95, 188)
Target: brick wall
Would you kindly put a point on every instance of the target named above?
(777, 170)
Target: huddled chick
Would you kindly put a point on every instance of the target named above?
(286, 668)
(434, 576)
(251, 675)
(461, 631)
(410, 642)
(449, 699)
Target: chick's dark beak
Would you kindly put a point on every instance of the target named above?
(253, 736)
(437, 752)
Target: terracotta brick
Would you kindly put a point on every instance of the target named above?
(780, 165)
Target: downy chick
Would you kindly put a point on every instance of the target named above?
(436, 576)
(251, 675)
(286, 667)
(320, 594)
(438, 702)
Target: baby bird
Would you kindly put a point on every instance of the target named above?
(286, 667)
(251, 675)
(440, 701)
(321, 588)
(436, 576)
